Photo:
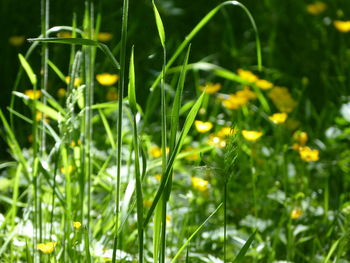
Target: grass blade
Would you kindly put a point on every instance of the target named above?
(188, 123)
(193, 234)
(244, 249)
(159, 23)
(28, 69)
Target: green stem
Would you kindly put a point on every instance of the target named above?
(120, 119)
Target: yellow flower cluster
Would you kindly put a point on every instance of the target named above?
(251, 135)
(309, 155)
(199, 184)
(278, 118)
(252, 78)
(238, 99)
(47, 248)
(33, 94)
(106, 79)
(316, 8)
(282, 99)
(203, 127)
(210, 88)
(342, 26)
(306, 153)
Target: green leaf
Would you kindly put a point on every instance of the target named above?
(244, 249)
(131, 88)
(28, 69)
(159, 23)
(188, 123)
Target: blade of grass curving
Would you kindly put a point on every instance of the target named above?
(201, 24)
(244, 249)
(193, 234)
(107, 128)
(28, 54)
(121, 85)
(81, 41)
(28, 69)
(188, 123)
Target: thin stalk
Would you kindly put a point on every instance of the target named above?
(164, 158)
(120, 120)
(225, 221)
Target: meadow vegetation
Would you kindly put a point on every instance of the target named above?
(167, 131)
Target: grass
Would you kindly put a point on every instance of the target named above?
(199, 170)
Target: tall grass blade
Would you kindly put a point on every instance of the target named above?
(121, 85)
(244, 249)
(159, 23)
(201, 24)
(188, 123)
(178, 253)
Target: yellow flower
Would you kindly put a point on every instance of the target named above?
(282, 99)
(39, 116)
(107, 79)
(246, 93)
(342, 26)
(77, 81)
(251, 135)
(247, 75)
(17, 40)
(76, 224)
(158, 176)
(278, 118)
(64, 34)
(316, 8)
(203, 127)
(263, 84)
(193, 156)
(46, 248)
(112, 94)
(234, 101)
(309, 155)
(301, 137)
(155, 151)
(296, 146)
(296, 213)
(61, 93)
(210, 88)
(34, 95)
(70, 169)
(104, 36)
(225, 131)
(147, 203)
(199, 184)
